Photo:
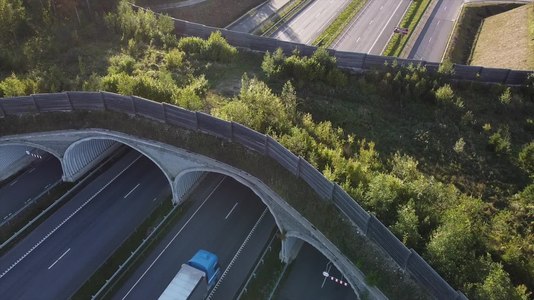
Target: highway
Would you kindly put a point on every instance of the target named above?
(311, 21)
(305, 279)
(60, 254)
(431, 43)
(371, 30)
(223, 216)
(22, 189)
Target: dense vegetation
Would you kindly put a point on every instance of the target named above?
(448, 166)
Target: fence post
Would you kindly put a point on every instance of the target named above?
(35, 104)
(70, 102)
(298, 166)
(103, 101)
(134, 109)
(366, 229)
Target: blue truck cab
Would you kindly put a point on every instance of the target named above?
(208, 263)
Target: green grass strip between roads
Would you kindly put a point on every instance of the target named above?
(340, 23)
(282, 16)
(410, 20)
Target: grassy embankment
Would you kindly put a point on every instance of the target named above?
(503, 41)
(467, 29)
(410, 20)
(216, 13)
(331, 33)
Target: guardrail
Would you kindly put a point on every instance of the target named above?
(348, 60)
(406, 258)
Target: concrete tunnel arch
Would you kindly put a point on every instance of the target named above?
(13, 156)
(178, 164)
(83, 154)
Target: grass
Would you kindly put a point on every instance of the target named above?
(282, 16)
(106, 270)
(327, 37)
(503, 41)
(216, 13)
(296, 192)
(266, 276)
(410, 20)
(467, 27)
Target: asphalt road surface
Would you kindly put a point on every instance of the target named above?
(222, 216)
(23, 188)
(62, 253)
(305, 279)
(311, 21)
(431, 43)
(371, 30)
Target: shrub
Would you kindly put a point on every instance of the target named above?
(191, 45)
(217, 48)
(273, 64)
(499, 142)
(526, 158)
(444, 94)
(506, 96)
(13, 86)
(459, 146)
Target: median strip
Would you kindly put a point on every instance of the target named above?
(332, 32)
(283, 15)
(410, 20)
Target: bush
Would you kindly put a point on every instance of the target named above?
(13, 86)
(174, 59)
(320, 67)
(444, 94)
(273, 64)
(191, 45)
(506, 96)
(499, 142)
(215, 48)
(526, 158)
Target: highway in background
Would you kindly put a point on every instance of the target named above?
(221, 217)
(309, 23)
(371, 30)
(431, 43)
(22, 189)
(61, 254)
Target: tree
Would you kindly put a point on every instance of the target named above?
(406, 227)
(289, 98)
(526, 158)
(498, 286)
(12, 15)
(456, 245)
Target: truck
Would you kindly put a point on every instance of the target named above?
(194, 279)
